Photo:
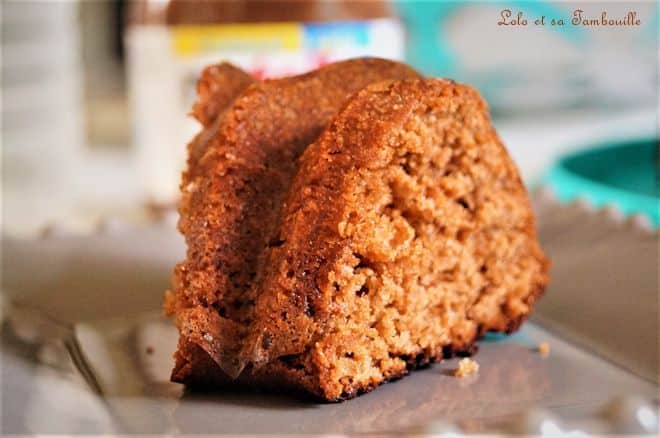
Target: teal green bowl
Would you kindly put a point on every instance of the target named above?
(623, 175)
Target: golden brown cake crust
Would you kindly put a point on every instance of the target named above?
(405, 235)
(218, 86)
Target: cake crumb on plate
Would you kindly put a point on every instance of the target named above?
(544, 349)
(466, 367)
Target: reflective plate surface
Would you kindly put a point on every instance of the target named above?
(86, 350)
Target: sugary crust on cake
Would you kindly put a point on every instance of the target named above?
(218, 86)
(231, 198)
(405, 235)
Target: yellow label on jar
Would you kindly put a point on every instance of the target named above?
(194, 40)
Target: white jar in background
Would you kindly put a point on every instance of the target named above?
(169, 43)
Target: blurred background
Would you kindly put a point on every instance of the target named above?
(95, 94)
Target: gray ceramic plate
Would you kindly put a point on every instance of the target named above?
(85, 350)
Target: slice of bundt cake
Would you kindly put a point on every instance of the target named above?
(405, 235)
